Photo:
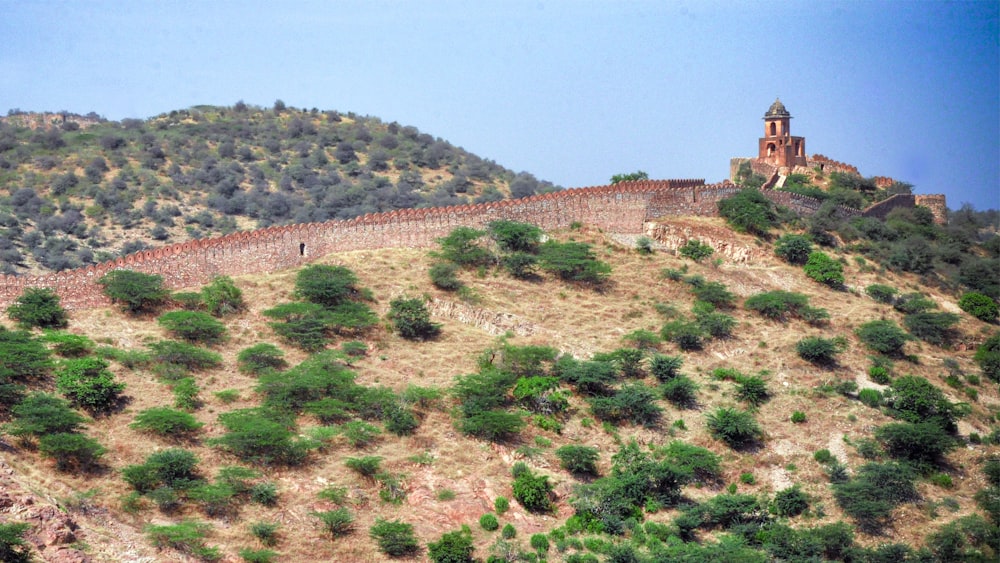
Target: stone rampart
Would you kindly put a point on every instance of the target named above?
(828, 165)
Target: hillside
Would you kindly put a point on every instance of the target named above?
(78, 190)
(440, 478)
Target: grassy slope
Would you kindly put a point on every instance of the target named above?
(572, 319)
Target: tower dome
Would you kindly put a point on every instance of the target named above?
(777, 109)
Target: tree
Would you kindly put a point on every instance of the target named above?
(89, 384)
(533, 491)
(261, 358)
(462, 248)
(988, 358)
(22, 357)
(630, 177)
(136, 292)
(980, 306)
(412, 319)
(748, 211)
(734, 427)
(819, 350)
(935, 328)
(512, 236)
(70, 450)
(193, 326)
(882, 336)
(166, 422)
(40, 414)
(578, 459)
(326, 285)
(38, 307)
(222, 297)
(573, 261)
(453, 547)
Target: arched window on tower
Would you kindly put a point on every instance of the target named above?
(774, 128)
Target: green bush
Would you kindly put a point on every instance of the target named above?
(265, 532)
(89, 384)
(798, 417)
(40, 414)
(187, 356)
(394, 537)
(493, 425)
(367, 466)
(643, 339)
(222, 297)
(934, 328)
(326, 285)
(874, 492)
(882, 293)
(521, 265)
(260, 436)
(444, 276)
(914, 302)
(923, 444)
(578, 459)
(166, 422)
(193, 326)
(823, 456)
(790, 502)
(462, 248)
(489, 522)
(748, 211)
(453, 547)
(22, 357)
(508, 531)
(794, 249)
(186, 394)
(644, 245)
(337, 522)
(265, 494)
(820, 351)
(736, 428)
(883, 336)
(702, 463)
(539, 542)
(825, 270)
(988, 358)
(752, 390)
(777, 304)
(682, 391)
(665, 367)
(38, 307)
(688, 335)
(136, 292)
(870, 397)
(412, 319)
(258, 555)
(512, 236)
(634, 403)
(13, 547)
(70, 451)
(501, 505)
(715, 293)
(69, 345)
(187, 537)
(533, 491)
(914, 399)
(573, 261)
(718, 325)
(695, 250)
(980, 306)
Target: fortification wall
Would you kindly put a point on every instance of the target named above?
(829, 165)
(806, 205)
(621, 208)
(936, 203)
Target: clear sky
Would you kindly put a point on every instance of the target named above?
(572, 91)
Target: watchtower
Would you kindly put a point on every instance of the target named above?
(777, 146)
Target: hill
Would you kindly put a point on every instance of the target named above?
(79, 190)
(593, 363)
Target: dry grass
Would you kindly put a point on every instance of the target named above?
(573, 319)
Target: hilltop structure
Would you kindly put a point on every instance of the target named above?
(777, 146)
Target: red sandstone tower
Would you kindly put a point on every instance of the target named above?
(777, 146)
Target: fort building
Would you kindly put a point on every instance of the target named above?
(778, 147)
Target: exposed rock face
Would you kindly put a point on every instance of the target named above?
(51, 531)
(672, 237)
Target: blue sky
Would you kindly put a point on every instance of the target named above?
(572, 92)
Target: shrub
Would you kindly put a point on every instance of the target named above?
(70, 450)
(38, 307)
(533, 491)
(980, 306)
(790, 502)
(167, 422)
(265, 494)
(794, 249)
(521, 265)
(40, 414)
(882, 293)
(69, 345)
(922, 443)
(824, 269)
(539, 542)
(193, 326)
(187, 537)
(394, 537)
(734, 427)
(13, 547)
(501, 505)
(367, 466)
(913, 303)
(453, 547)
(444, 276)
(873, 493)
(714, 293)
(326, 285)
(258, 555)
(682, 391)
(694, 460)
(643, 339)
(493, 425)
(988, 358)
(870, 397)
(752, 390)
(573, 261)
(644, 245)
(634, 403)
(718, 325)
(412, 319)
(260, 436)
(688, 335)
(222, 297)
(818, 350)
(695, 250)
(776, 305)
(461, 247)
(798, 417)
(508, 531)
(578, 459)
(88, 384)
(665, 367)
(748, 211)
(512, 236)
(265, 532)
(914, 399)
(489, 522)
(187, 356)
(934, 328)
(882, 336)
(823, 456)
(136, 292)
(337, 522)
(260, 358)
